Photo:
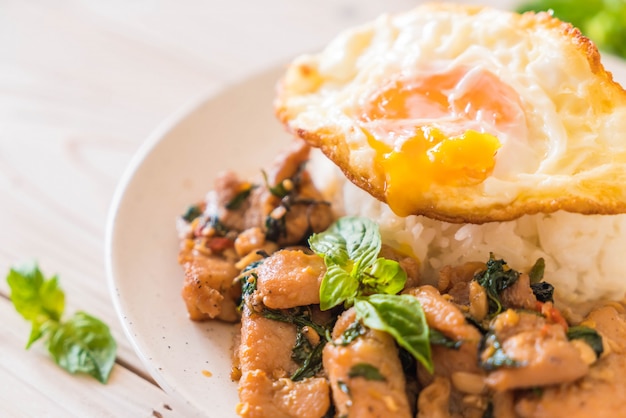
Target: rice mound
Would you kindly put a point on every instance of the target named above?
(585, 255)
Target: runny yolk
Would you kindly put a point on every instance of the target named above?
(430, 157)
(426, 156)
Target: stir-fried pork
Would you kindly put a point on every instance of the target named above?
(237, 220)
(541, 352)
(498, 345)
(600, 393)
(208, 289)
(359, 395)
(285, 271)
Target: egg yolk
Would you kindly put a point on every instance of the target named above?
(430, 157)
(451, 148)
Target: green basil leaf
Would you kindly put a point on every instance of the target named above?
(437, 338)
(337, 287)
(40, 327)
(354, 331)
(331, 246)
(35, 298)
(402, 317)
(497, 356)
(362, 239)
(84, 344)
(589, 336)
(497, 277)
(192, 213)
(352, 242)
(366, 371)
(537, 270)
(384, 276)
(236, 202)
(601, 20)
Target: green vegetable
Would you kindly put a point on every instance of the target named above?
(300, 316)
(307, 356)
(356, 276)
(497, 277)
(83, 344)
(402, 317)
(437, 338)
(287, 186)
(192, 213)
(497, 357)
(80, 344)
(350, 249)
(603, 21)
(248, 280)
(537, 270)
(366, 371)
(275, 228)
(589, 336)
(240, 197)
(354, 331)
(217, 225)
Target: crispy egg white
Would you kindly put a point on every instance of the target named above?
(465, 114)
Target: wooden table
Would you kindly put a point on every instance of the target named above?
(82, 84)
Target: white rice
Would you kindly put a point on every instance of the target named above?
(585, 255)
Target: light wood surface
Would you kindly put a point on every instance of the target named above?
(82, 84)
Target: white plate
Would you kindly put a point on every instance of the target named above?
(233, 130)
(176, 167)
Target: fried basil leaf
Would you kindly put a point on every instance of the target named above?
(366, 371)
(589, 336)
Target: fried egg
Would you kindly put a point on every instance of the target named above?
(465, 114)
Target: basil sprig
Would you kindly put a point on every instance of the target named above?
(356, 276)
(81, 343)
(350, 249)
(402, 317)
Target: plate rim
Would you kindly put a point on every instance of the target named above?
(148, 147)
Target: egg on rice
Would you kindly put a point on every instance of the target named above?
(505, 131)
(465, 114)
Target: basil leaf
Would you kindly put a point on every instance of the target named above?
(437, 338)
(36, 299)
(589, 336)
(537, 270)
(337, 287)
(84, 344)
(354, 331)
(362, 239)
(349, 239)
(236, 202)
(497, 357)
(307, 356)
(497, 277)
(403, 318)
(384, 276)
(300, 316)
(331, 246)
(33, 296)
(366, 371)
(600, 20)
(192, 213)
